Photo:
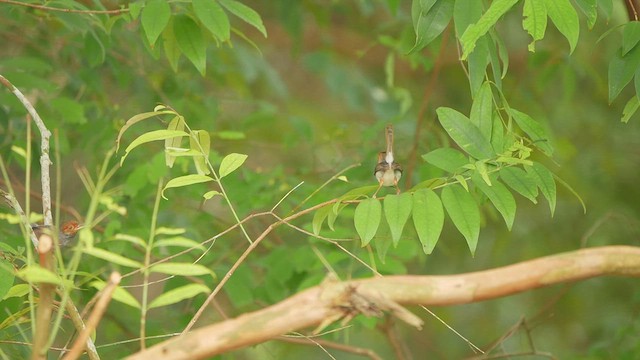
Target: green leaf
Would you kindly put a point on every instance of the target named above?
(500, 197)
(397, 209)
(18, 291)
(521, 182)
(478, 61)
(544, 179)
(621, 70)
(171, 48)
(151, 136)
(119, 294)
(497, 134)
(112, 257)
(565, 18)
(185, 181)
(318, 218)
(447, 159)
(481, 169)
(430, 18)
(535, 21)
(464, 213)
(182, 269)
(191, 42)
(466, 13)
(533, 129)
(155, 17)
(178, 241)
(482, 110)
(428, 218)
(178, 294)
(367, 219)
(132, 239)
(177, 123)
(69, 109)
(170, 231)
(210, 194)
(137, 118)
(213, 18)
(201, 142)
(6, 278)
(486, 22)
(245, 13)
(36, 274)
(464, 133)
(630, 36)
(590, 9)
(230, 163)
(630, 109)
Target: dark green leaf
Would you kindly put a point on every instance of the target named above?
(486, 22)
(565, 18)
(544, 179)
(500, 197)
(245, 13)
(428, 218)
(397, 209)
(367, 219)
(521, 182)
(482, 110)
(536, 132)
(464, 133)
(6, 277)
(621, 70)
(155, 17)
(535, 20)
(171, 48)
(213, 18)
(447, 159)
(630, 36)
(466, 13)
(430, 18)
(590, 9)
(464, 213)
(191, 42)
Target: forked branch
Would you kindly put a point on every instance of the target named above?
(334, 300)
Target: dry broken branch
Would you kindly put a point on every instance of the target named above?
(334, 300)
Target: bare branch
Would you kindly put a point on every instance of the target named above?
(316, 305)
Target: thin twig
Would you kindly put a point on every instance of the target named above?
(49, 8)
(95, 317)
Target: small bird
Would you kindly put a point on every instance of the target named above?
(66, 234)
(388, 172)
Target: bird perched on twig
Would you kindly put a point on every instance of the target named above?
(388, 171)
(67, 232)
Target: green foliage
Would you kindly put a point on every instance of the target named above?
(308, 103)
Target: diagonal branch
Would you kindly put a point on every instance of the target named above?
(334, 300)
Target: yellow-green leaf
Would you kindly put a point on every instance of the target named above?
(182, 269)
(397, 209)
(428, 218)
(119, 294)
(151, 136)
(112, 257)
(367, 219)
(230, 163)
(178, 294)
(185, 181)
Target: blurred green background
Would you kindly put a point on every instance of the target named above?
(304, 103)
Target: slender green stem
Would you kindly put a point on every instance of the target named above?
(146, 272)
(218, 180)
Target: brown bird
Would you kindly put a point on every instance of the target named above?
(67, 232)
(388, 172)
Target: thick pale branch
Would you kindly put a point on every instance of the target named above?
(333, 300)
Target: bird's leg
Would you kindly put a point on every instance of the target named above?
(378, 189)
(395, 182)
